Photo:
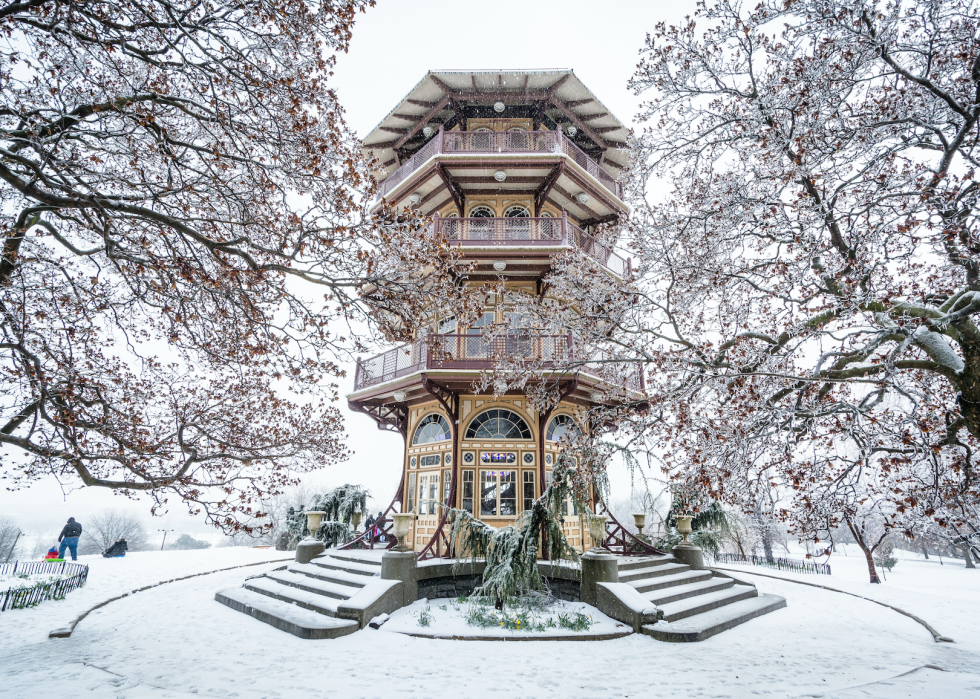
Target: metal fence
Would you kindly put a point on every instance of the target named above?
(20, 597)
(776, 563)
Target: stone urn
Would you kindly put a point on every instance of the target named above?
(640, 520)
(684, 527)
(597, 530)
(402, 526)
(355, 519)
(313, 520)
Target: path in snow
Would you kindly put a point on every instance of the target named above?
(176, 641)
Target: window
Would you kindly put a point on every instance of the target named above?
(432, 428)
(432, 460)
(411, 492)
(483, 321)
(447, 325)
(498, 493)
(517, 211)
(446, 480)
(482, 212)
(433, 493)
(561, 426)
(498, 424)
(468, 491)
(528, 494)
(423, 505)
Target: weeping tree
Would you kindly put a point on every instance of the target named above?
(711, 528)
(339, 505)
(511, 552)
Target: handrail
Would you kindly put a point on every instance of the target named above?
(496, 142)
(601, 253)
(502, 231)
(460, 351)
(591, 166)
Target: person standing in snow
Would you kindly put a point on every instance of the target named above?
(369, 527)
(69, 539)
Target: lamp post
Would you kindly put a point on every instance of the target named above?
(164, 537)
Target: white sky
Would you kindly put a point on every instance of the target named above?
(394, 45)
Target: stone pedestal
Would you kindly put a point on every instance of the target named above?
(308, 549)
(402, 565)
(689, 554)
(597, 566)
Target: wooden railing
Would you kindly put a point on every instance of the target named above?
(529, 231)
(503, 231)
(591, 166)
(460, 352)
(510, 142)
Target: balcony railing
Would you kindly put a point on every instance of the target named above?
(499, 142)
(529, 231)
(477, 352)
(503, 231)
(461, 352)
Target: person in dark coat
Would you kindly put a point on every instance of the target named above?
(69, 539)
(117, 550)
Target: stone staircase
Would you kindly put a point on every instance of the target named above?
(328, 597)
(692, 605)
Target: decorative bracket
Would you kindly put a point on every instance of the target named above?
(389, 418)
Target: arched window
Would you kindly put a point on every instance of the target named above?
(517, 211)
(481, 212)
(561, 426)
(433, 428)
(498, 424)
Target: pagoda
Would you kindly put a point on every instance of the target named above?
(515, 170)
(512, 168)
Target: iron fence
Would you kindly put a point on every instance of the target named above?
(21, 597)
(776, 563)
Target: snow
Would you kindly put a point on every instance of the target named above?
(939, 349)
(176, 641)
(448, 621)
(8, 582)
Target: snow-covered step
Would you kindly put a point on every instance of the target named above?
(305, 582)
(653, 571)
(366, 557)
(681, 609)
(314, 601)
(334, 575)
(679, 592)
(634, 562)
(664, 581)
(702, 626)
(284, 615)
(367, 569)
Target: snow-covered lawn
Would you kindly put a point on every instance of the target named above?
(10, 582)
(450, 618)
(176, 641)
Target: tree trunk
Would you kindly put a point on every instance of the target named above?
(967, 558)
(871, 564)
(925, 549)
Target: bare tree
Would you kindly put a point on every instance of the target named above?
(807, 285)
(10, 538)
(186, 251)
(102, 530)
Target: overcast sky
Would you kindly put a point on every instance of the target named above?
(394, 45)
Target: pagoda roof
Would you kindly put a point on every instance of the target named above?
(558, 95)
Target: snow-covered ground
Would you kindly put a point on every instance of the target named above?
(176, 641)
(447, 618)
